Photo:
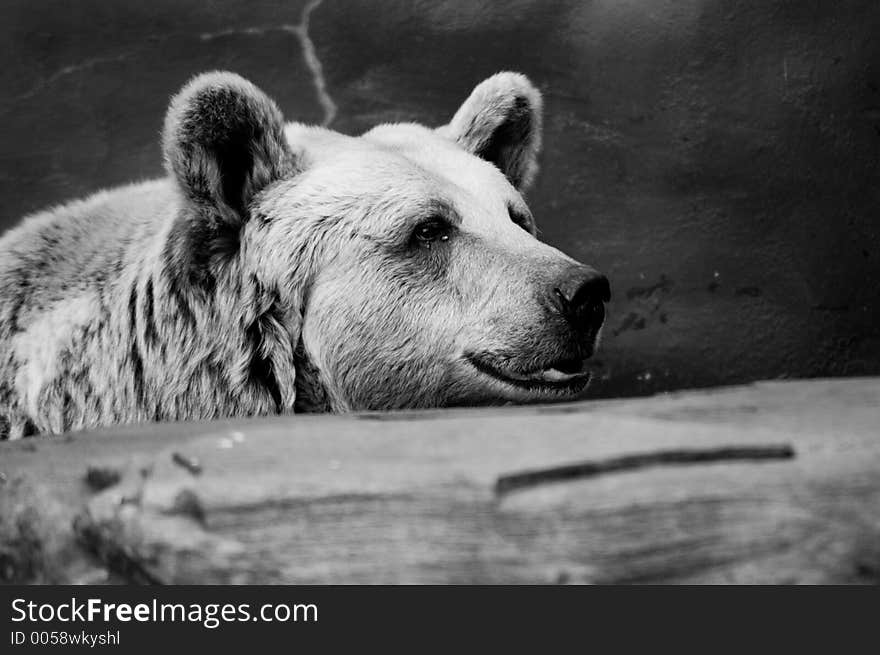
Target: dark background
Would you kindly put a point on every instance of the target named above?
(717, 159)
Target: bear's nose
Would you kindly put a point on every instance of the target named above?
(580, 294)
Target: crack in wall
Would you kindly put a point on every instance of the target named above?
(299, 30)
(310, 56)
(87, 64)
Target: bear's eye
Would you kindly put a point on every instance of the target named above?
(431, 230)
(519, 219)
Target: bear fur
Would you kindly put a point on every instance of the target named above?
(281, 267)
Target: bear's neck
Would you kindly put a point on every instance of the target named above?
(211, 351)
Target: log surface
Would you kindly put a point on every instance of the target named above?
(775, 482)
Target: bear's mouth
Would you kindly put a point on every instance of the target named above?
(563, 376)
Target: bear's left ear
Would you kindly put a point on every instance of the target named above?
(501, 122)
(223, 142)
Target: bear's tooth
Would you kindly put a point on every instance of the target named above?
(555, 375)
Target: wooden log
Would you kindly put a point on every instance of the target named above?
(767, 483)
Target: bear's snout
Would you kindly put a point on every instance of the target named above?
(580, 294)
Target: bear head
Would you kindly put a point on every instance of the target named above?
(402, 266)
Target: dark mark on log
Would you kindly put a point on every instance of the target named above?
(116, 557)
(99, 478)
(563, 408)
(133, 499)
(187, 503)
(513, 481)
(189, 463)
(398, 415)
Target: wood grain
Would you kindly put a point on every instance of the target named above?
(411, 497)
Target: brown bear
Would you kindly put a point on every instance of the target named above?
(281, 267)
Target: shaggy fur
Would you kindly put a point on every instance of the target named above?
(283, 268)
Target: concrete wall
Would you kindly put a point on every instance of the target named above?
(718, 159)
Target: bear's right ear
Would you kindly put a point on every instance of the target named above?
(223, 142)
(501, 122)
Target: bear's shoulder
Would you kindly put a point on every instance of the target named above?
(80, 243)
(110, 214)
